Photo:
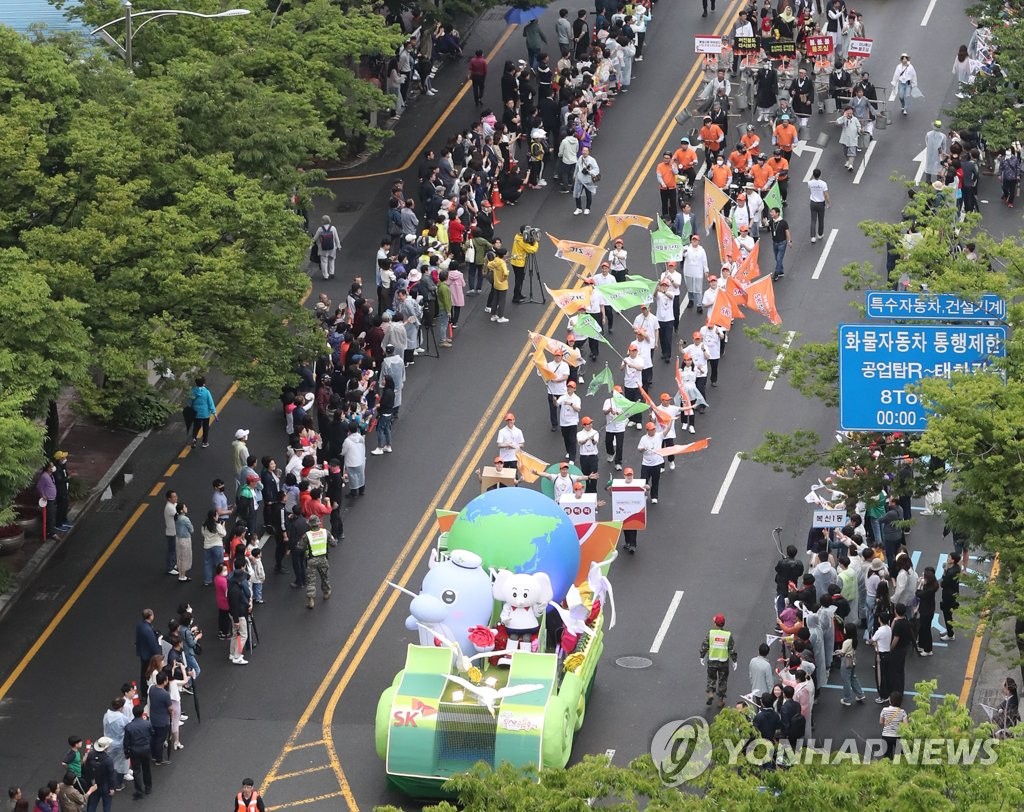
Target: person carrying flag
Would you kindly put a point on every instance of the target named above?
(651, 461)
(587, 440)
(614, 429)
(712, 337)
(667, 431)
(695, 271)
(633, 366)
(556, 387)
(663, 310)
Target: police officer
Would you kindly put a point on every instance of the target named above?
(317, 540)
(248, 799)
(715, 652)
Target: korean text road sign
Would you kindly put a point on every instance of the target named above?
(829, 518)
(878, 362)
(894, 305)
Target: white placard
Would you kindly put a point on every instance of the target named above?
(707, 45)
(629, 503)
(829, 518)
(859, 46)
(582, 511)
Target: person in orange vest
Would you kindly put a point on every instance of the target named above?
(685, 161)
(779, 167)
(666, 175)
(713, 137)
(720, 173)
(751, 140)
(739, 162)
(249, 800)
(761, 174)
(786, 135)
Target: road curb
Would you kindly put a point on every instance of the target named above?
(23, 580)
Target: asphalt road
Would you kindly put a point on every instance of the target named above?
(302, 712)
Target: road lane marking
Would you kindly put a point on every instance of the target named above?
(307, 771)
(157, 488)
(720, 499)
(171, 469)
(972, 659)
(824, 253)
(670, 613)
(307, 744)
(770, 383)
(303, 801)
(928, 13)
(864, 163)
(441, 119)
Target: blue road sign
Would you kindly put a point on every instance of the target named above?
(904, 305)
(877, 362)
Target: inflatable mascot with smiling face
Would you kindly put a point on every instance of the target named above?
(456, 596)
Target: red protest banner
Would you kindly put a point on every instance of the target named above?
(819, 46)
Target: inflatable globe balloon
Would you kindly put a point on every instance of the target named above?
(520, 530)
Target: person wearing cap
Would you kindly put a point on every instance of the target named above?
(569, 406)
(904, 80)
(667, 431)
(663, 312)
(629, 536)
(849, 135)
(672, 279)
(614, 429)
(712, 337)
(62, 495)
(936, 148)
(645, 328)
(684, 159)
(695, 271)
(716, 651)
(99, 776)
(699, 356)
(632, 366)
(618, 262)
(316, 543)
(240, 450)
(510, 440)
(711, 294)
(651, 461)
(744, 241)
(556, 385)
(584, 182)
(819, 200)
(596, 306)
(665, 175)
(785, 136)
(739, 163)
(778, 166)
(563, 481)
(751, 142)
(761, 174)
(248, 799)
(587, 441)
(740, 213)
(714, 140)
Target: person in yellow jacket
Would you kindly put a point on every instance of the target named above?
(498, 271)
(521, 250)
(716, 651)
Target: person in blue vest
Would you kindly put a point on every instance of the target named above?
(716, 651)
(203, 408)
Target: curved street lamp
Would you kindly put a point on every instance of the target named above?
(130, 30)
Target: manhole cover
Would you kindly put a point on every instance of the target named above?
(344, 206)
(634, 662)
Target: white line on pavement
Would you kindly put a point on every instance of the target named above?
(928, 13)
(778, 361)
(864, 163)
(700, 172)
(892, 96)
(720, 499)
(920, 159)
(659, 638)
(824, 253)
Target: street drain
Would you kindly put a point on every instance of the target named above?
(634, 662)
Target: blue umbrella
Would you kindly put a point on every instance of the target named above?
(522, 16)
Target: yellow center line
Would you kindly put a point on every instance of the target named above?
(170, 471)
(639, 172)
(303, 801)
(307, 744)
(441, 119)
(979, 636)
(159, 486)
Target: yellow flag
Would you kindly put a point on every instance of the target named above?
(618, 223)
(714, 200)
(571, 300)
(541, 363)
(530, 467)
(572, 356)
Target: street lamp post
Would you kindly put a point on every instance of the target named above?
(130, 29)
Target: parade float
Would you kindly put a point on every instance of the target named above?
(510, 626)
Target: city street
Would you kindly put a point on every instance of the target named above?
(299, 718)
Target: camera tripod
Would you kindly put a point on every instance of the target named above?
(531, 269)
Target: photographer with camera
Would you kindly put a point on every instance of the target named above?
(523, 244)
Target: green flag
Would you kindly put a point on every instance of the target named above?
(628, 407)
(602, 378)
(773, 200)
(666, 246)
(621, 296)
(585, 326)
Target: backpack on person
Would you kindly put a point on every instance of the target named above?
(327, 238)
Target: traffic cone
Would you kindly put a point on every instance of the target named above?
(88, 745)
(496, 198)
(135, 694)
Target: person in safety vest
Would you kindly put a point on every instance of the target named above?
(248, 800)
(715, 652)
(317, 539)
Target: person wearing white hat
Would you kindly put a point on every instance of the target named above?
(904, 79)
(936, 147)
(556, 384)
(240, 450)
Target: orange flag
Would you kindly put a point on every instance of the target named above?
(573, 357)
(723, 311)
(748, 269)
(728, 251)
(714, 201)
(689, 448)
(618, 223)
(530, 467)
(761, 297)
(663, 417)
(445, 519)
(570, 300)
(683, 397)
(736, 291)
(541, 363)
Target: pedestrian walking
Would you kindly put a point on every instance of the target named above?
(891, 719)
(588, 444)
(248, 799)
(510, 442)
(535, 42)
(716, 651)
(950, 586)
(556, 384)
(1009, 173)
(62, 485)
(478, 76)
(904, 80)
(183, 530)
(849, 135)
(317, 566)
(695, 271)
(569, 406)
(936, 148)
(820, 200)
(203, 410)
(614, 431)
(852, 689)
(354, 452)
(782, 238)
(563, 32)
(585, 180)
(327, 243)
(651, 461)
